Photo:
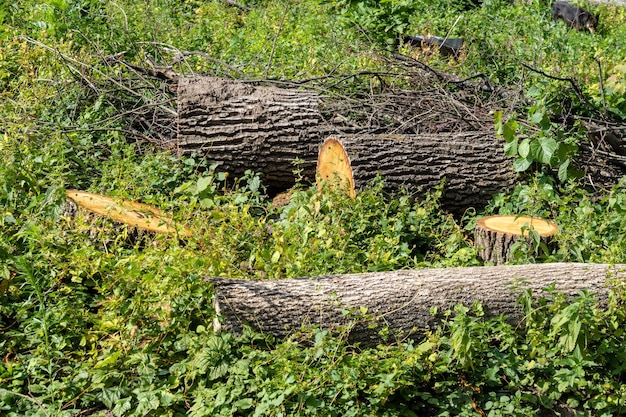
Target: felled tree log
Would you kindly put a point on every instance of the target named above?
(473, 165)
(243, 127)
(400, 300)
(495, 236)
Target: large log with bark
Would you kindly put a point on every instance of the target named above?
(400, 300)
(473, 164)
(240, 127)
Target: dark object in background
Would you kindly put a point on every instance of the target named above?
(575, 16)
(471, 4)
(447, 46)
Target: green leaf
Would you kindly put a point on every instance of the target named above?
(524, 148)
(509, 129)
(510, 149)
(569, 340)
(121, 407)
(255, 184)
(109, 360)
(244, 403)
(537, 114)
(203, 183)
(543, 149)
(110, 397)
(497, 120)
(424, 347)
(521, 164)
(147, 401)
(240, 199)
(535, 92)
(562, 173)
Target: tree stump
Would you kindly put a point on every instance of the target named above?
(496, 235)
(473, 165)
(139, 215)
(401, 300)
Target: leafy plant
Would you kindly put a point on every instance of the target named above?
(546, 145)
(95, 323)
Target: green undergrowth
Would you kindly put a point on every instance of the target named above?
(98, 319)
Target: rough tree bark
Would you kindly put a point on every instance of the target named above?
(399, 299)
(473, 164)
(241, 126)
(245, 127)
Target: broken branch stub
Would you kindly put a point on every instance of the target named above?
(142, 216)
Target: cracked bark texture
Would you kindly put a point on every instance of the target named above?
(241, 127)
(399, 299)
(473, 165)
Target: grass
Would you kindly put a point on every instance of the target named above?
(98, 319)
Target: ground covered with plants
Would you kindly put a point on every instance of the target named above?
(98, 320)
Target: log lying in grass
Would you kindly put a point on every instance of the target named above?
(398, 299)
(496, 235)
(241, 127)
(142, 216)
(473, 165)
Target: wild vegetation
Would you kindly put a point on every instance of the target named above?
(97, 321)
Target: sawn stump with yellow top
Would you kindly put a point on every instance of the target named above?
(142, 216)
(494, 236)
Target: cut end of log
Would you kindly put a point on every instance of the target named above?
(333, 165)
(134, 214)
(513, 225)
(494, 236)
